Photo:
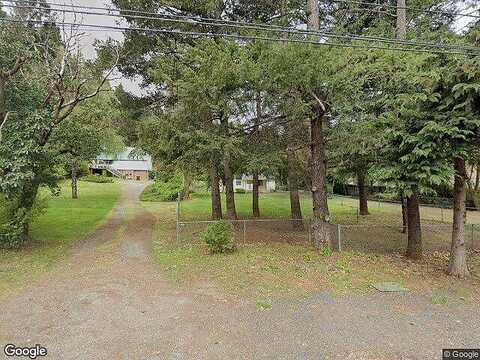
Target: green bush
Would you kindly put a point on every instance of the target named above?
(97, 179)
(219, 237)
(162, 190)
(240, 191)
(12, 235)
(14, 227)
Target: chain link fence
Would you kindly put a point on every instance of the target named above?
(393, 238)
(390, 212)
(380, 232)
(364, 238)
(251, 231)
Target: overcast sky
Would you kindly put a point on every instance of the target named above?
(91, 36)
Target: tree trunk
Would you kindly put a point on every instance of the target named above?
(363, 194)
(215, 189)
(256, 183)
(74, 180)
(27, 200)
(414, 247)
(228, 174)
(313, 15)
(255, 194)
(477, 177)
(458, 255)
(401, 19)
(404, 213)
(320, 225)
(187, 185)
(296, 209)
(229, 191)
(3, 107)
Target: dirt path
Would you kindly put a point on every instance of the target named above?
(107, 300)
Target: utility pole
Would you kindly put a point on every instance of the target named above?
(320, 222)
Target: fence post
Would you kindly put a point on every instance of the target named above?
(309, 228)
(339, 235)
(473, 235)
(178, 217)
(244, 232)
(178, 207)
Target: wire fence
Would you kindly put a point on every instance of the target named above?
(365, 238)
(385, 212)
(380, 232)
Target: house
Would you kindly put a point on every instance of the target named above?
(127, 165)
(245, 183)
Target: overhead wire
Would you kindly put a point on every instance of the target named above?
(192, 21)
(410, 8)
(246, 37)
(195, 21)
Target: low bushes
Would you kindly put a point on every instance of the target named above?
(12, 235)
(97, 179)
(14, 225)
(167, 189)
(240, 191)
(219, 237)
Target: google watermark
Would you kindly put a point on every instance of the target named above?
(461, 354)
(31, 352)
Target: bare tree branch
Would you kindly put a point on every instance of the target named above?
(78, 98)
(4, 121)
(320, 102)
(18, 64)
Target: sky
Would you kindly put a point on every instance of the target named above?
(88, 40)
(90, 36)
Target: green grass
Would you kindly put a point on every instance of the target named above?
(64, 221)
(342, 210)
(277, 206)
(266, 271)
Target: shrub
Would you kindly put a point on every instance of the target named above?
(12, 234)
(219, 237)
(163, 190)
(97, 179)
(240, 191)
(14, 227)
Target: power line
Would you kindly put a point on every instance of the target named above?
(242, 37)
(353, 2)
(322, 34)
(410, 8)
(250, 26)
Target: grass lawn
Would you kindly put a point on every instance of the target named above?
(342, 210)
(64, 221)
(272, 206)
(263, 272)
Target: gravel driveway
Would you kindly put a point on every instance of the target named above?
(107, 300)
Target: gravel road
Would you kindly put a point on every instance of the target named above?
(106, 299)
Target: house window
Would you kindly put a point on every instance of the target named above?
(238, 182)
